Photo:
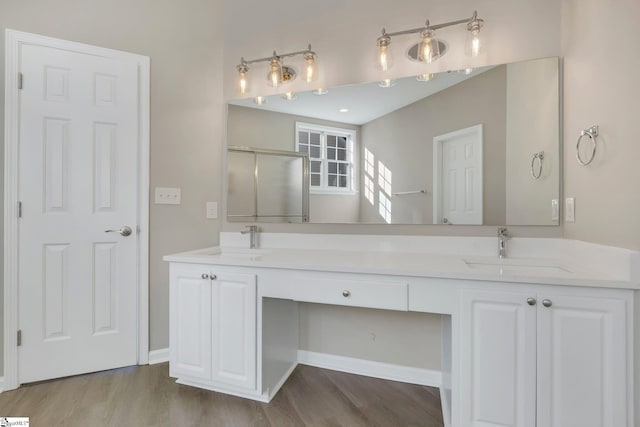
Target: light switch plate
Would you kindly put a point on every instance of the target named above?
(167, 196)
(212, 210)
(555, 210)
(570, 209)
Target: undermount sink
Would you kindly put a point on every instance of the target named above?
(501, 266)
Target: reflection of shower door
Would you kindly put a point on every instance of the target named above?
(457, 177)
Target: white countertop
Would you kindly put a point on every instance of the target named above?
(449, 266)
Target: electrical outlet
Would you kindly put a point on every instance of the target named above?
(167, 196)
(212, 210)
(570, 209)
(555, 210)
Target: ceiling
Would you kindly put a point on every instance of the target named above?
(364, 102)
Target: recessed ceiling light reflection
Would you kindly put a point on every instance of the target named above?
(260, 100)
(387, 83)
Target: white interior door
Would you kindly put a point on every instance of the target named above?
(458, 177)
(78, 157)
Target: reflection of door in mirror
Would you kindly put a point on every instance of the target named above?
(457, 191)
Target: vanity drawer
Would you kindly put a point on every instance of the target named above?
(339, 291)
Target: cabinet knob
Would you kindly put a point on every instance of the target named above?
(547, 303)
(346, 294)
(213, 277)
(205, 276)
(531, 301)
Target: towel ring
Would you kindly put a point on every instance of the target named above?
(592, 133)
(539, 155)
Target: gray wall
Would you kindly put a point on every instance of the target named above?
(252, 127)
(185, 46)
(403, 141)
(601, 87)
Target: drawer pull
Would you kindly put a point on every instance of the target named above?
(531, 301)
(214, 277)
(547, 303)
(205, 276)
(346, 294)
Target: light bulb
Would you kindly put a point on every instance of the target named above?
(429, 49)
(387, 83)
(310, 72)
(275, 72)
(260, 100)
(474, 41)
(243, 84)
(384, 59)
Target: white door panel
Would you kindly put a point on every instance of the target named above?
(77, 178)
(497, 359)
(582, 362)
(458, 194)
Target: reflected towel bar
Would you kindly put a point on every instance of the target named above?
(406, 193)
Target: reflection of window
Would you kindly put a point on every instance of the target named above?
(330, 153)
(384, 202)
(385, 208)
(369, 173)
(384, 178)
(368, 189)
(369, 163)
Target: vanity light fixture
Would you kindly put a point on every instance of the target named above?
(429, 48)
(278, 73)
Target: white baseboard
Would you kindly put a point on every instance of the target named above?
(369, 368)
(158, 356)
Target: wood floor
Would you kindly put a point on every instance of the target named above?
(146, 396)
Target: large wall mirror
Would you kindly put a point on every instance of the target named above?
(477, 146)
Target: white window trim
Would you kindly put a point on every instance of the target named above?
(351, 134)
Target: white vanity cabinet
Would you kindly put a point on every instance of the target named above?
(544, 357)
(213, 327)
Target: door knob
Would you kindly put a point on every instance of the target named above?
(124, 231)
(531, 301)
(547, 303)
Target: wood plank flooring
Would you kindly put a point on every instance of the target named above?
(146, 396)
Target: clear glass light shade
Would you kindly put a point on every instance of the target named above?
(243, 84)
(310, 68)
(384, 58)
(474, 45)
(275, 73)
(260, 100)
(289, 96)
(429, 49)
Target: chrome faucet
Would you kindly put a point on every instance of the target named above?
(503, 235)
(253, 234)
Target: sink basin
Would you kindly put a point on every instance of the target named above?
(514, 266)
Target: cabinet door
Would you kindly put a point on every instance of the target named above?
(582, 362)
(497, 355)
(190, 320)
(234, 329)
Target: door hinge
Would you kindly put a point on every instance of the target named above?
(19, 209)
(20, 78)
(19, 337)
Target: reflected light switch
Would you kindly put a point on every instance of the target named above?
(555, 210)
(167, 196)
